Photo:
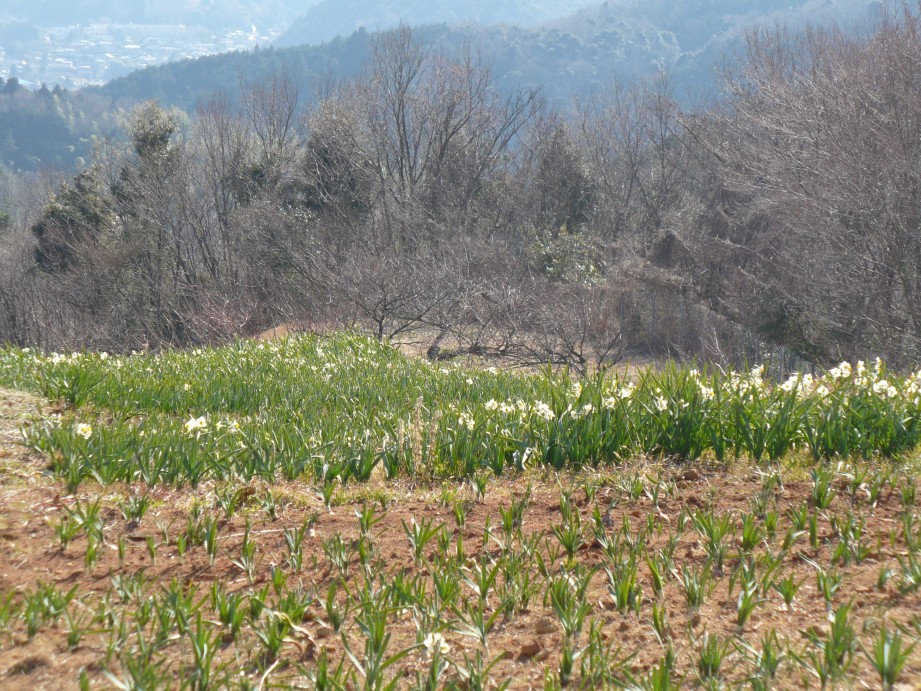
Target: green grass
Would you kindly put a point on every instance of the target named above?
(338, 409)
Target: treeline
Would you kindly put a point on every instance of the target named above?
(49, 128)
(181, 83)
(58, 129)
(566, 58)
(418, 201)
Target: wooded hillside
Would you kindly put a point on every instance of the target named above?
(420, 200)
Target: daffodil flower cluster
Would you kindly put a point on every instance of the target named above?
(341, 406)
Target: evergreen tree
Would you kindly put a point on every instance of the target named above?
(72, 220)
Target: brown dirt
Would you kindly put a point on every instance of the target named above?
(30, 503)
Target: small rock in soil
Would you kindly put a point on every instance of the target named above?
(544, 625)
(530, 648)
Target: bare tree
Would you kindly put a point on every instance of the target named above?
(437, 130)
(573, 325)
(271, 109)
(225, 153)
(820, 143)
(636, 157)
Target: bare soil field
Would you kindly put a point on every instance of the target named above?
(107, 630)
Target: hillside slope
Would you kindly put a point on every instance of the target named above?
(568, 57)
(330, 18)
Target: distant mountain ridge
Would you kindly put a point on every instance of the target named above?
(688, 38)
(566, 57)
(328, 19)
(331, 18)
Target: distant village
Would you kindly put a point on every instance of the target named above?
(78, 56)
